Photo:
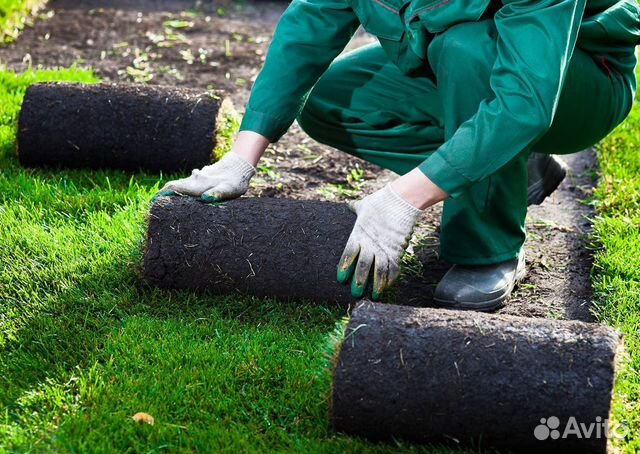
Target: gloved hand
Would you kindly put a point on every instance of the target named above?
(226, 179)
(381, 234)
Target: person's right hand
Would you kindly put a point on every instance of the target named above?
(226, 179)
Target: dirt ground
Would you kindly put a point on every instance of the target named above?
(182, 42)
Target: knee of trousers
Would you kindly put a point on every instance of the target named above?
(464, 51)
(312, 120)
(318, 117)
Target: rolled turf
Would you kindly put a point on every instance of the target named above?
(128, 127)
(261, 246)
(431, 375)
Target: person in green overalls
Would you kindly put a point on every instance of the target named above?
(466, 100)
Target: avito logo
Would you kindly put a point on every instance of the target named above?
(550, 429)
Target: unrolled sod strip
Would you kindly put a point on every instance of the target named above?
(128, 127)
(429, 375)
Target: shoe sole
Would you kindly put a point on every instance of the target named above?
(552, 177)
(487, 306)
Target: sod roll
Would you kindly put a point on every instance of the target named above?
(261, 246)
(429, 375)
(128, 127)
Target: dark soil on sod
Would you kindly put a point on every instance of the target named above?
(72, 125)
(490, 384)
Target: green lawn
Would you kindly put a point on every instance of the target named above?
(616, 274)
(83, 346)
(13, 16)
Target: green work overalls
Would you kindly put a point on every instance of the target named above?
(463, 90)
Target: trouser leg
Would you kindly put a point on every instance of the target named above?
(485, 224)
(366, 106)
(595, 99)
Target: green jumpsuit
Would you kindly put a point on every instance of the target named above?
(462, 89)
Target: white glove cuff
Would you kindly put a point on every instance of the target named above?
(404, 213)
(238, 164)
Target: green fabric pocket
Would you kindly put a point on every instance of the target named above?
(439, 15)
(380, 18)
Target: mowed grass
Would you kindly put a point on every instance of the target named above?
(14, 15)
(616, 274)
(84, 346)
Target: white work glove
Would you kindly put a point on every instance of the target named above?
(381, 234)
(226, 179)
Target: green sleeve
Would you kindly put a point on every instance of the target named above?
(309, 36)
(536, 39)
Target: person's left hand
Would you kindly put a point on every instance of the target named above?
(380, 235)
